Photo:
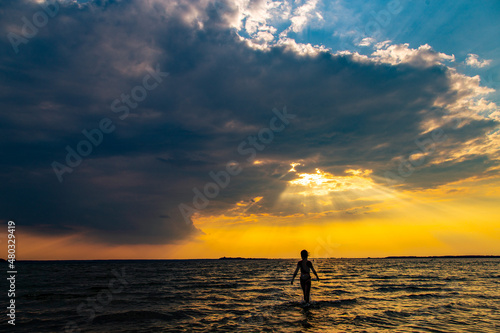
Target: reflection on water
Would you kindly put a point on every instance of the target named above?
(354, 295)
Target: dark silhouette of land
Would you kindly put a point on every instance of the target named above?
(434, 257)
(240, 258)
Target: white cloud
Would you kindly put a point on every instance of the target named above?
(422, 57)
(265, 36)
(465, 103)
(473, 61)
(254, 17)
(301, 49)
(367, 41)
(302, 15)
(383, 44)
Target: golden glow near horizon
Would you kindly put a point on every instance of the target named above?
(455, 219)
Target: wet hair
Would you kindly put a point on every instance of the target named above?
(304, 254)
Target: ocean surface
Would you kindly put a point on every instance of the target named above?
(354, 295)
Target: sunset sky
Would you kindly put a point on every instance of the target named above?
(154, 129)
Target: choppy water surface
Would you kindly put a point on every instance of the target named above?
(354, 295)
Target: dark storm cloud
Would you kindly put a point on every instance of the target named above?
(219, 91)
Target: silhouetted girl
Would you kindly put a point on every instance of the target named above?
(305, 277)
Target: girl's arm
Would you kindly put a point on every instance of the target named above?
(314, 271)
(295, 273)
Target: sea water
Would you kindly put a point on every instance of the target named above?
(353, 295)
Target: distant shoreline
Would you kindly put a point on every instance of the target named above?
(435, 257)
(242, 258)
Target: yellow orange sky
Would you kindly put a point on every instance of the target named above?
(456, 219)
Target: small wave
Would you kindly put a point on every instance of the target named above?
(208, 286)
(455, 278)
(420, 277)
(366, 298)
(140, 315)
(428, 295)
(446, 307)
(487, 296)
(345, 301)
(397, 314)
(320, 304)
(408, 288)
(52, 296)
(94, 289)
(379, 321)
(266, 290)
(43, 325)
(339, 291)
(383, 277)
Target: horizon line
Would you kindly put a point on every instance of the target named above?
(252, 258)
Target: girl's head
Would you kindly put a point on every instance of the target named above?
(304, 254)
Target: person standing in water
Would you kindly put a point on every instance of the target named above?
(305, 277)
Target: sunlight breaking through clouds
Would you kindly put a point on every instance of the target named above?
(322, 183)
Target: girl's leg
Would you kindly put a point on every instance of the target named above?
(307, 290)
(303, 286)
